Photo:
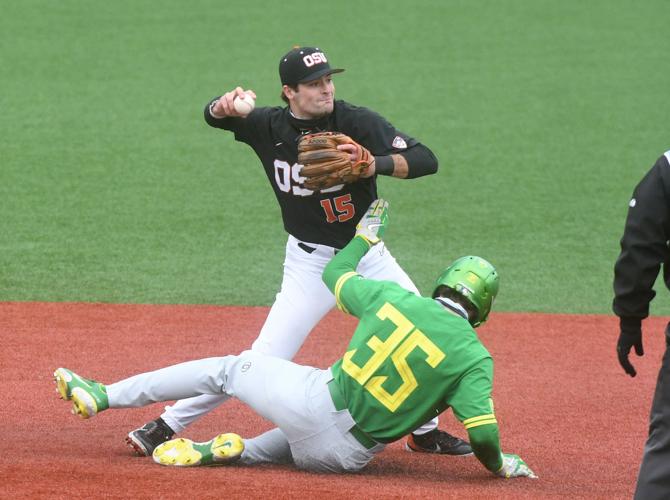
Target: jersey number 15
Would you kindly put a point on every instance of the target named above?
(288, 179)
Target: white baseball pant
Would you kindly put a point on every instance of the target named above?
(309, 433)
(301, 303)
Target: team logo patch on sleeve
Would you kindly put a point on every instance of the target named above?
(399, 143)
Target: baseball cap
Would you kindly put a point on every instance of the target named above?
(304, 64)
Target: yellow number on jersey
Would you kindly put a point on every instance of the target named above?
(398, 347)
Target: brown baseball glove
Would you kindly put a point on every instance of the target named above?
(324, 166)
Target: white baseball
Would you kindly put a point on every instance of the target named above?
(244, 105)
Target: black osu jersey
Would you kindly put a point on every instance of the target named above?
(326, 217)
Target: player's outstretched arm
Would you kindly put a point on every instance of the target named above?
(369, 232)
(485, 442)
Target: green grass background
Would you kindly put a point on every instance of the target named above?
(544, 116)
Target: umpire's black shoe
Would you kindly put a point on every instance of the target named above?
(145, 439)
(437, 441)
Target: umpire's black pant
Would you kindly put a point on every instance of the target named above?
(653, 481)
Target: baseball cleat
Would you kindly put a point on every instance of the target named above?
(223, 449)
(143, 441)
(88, 396)
(437, 441)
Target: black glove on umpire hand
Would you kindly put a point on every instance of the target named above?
(630, 336)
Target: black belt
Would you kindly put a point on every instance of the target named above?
(308, 248)
(357, 432)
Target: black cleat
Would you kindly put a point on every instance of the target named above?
(144, 440)
(437, 441)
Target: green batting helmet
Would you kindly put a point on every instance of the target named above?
(476, 280)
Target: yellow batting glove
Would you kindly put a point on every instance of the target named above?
(372, 225)
(513, 466)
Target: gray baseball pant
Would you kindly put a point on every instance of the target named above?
(310, 432)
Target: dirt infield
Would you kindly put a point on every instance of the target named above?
(561, 399)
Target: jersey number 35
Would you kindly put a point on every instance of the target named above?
(398, 346)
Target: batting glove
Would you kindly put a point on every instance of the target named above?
(372, 225)
(630, 336)
(513, 466)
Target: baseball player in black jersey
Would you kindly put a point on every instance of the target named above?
(318, 223)
(644, 247)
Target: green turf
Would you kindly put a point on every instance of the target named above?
(543, 114)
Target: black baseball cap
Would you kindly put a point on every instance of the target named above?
(304, 64)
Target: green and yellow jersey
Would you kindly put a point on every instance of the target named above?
(409, 359)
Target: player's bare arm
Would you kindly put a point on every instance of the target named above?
(414, 162)
(399, 167)
(396, 165)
